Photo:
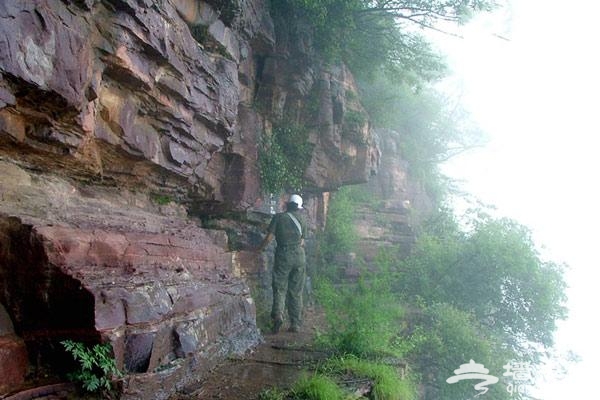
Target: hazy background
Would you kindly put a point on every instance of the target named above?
(529, 76)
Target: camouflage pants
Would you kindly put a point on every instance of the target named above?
(288, 283)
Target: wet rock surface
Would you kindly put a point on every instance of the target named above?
(279, 361)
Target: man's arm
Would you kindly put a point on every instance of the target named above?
(265, 242)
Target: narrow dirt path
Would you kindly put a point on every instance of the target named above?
(279, 361)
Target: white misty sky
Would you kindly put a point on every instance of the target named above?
(535, 95)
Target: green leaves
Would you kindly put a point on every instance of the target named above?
(317, 387)
(363, 317)
(440, 338)
(373, 35)
(340, 234)
(494, 272)
(476, 289)
(284, 156)
(97, 366)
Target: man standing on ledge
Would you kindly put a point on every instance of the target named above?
(289, 270)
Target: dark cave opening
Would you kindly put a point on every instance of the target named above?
(45, 304)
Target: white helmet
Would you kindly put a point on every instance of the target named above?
(296, 199)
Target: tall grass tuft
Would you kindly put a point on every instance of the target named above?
(387, 383)
(317, 387)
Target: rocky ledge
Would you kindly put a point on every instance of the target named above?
(165, 293)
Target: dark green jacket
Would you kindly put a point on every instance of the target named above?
(285, 230)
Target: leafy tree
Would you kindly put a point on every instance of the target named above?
(494, 272)
(427, 13)
(428, 127)
(472, 290)
(368, 34)
(433, 127)
(439, 339)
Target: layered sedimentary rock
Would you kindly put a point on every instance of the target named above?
(398, 203)
(125, 125)
(130, 92)
(163, 291)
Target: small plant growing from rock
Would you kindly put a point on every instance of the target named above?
(161, 199)
(97, 365)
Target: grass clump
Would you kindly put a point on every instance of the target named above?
(387, 384)
(317, 387)
(362, 318)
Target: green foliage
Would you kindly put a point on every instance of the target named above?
(439, 338)
(329, 382)
(355, 118)
(471, 290)
(427, 127)
(340, 234)
(284, 156)
(227, 10)
(260, 293)
(362, 318)
(97, 366)
(375, 35)
(200, 33)
(361, 195)
(354, 121)
(492, 271)
(317, 387)
(161, 199)
(387, 384)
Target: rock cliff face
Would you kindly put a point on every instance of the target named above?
(398, 203)
(124, 126)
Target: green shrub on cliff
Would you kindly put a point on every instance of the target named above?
(283, 157)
